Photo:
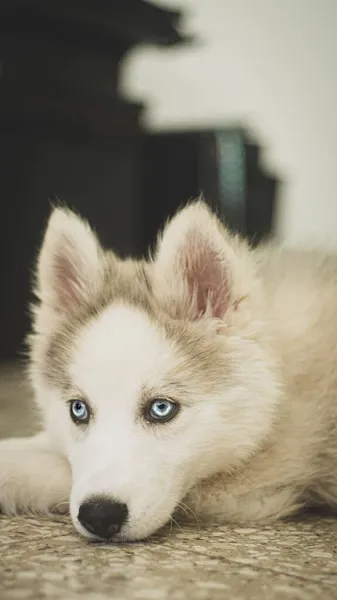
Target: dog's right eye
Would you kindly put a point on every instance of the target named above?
(79, 412)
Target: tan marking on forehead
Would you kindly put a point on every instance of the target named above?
(123, 281)
(205, 360)
(201, 357)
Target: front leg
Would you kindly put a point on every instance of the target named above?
(33, 476)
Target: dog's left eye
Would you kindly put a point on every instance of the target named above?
(162, 410)
(79, 411)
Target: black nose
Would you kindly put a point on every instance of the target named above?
(102, 517)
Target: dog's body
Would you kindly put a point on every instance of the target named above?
(240, 346)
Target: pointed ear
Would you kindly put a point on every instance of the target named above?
(70, 262)
(198, 267)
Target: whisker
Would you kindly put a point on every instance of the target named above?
(59, 504)
(172, 520)
(183, 508)
(187, 509)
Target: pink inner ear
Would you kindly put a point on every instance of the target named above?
(67, 278)
(206, 276)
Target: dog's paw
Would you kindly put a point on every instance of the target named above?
(33, 478)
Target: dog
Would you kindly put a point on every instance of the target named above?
(203, 379)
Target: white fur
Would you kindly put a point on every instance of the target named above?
(33, 477)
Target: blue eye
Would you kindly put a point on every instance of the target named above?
(161, 410)
(79, 411)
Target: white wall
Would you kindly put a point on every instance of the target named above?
(272, 63)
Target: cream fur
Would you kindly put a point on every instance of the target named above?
(244, 340)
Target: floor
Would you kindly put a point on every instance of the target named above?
(42, 559)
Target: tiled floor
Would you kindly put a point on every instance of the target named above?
(46, 559)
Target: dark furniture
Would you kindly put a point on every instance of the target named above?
(221, 164)
(65, 130)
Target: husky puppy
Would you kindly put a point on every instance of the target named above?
(204, 379)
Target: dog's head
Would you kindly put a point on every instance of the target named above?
(151, 375)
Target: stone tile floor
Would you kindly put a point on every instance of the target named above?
(46, 559)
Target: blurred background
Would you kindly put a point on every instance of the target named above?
(125, 109)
